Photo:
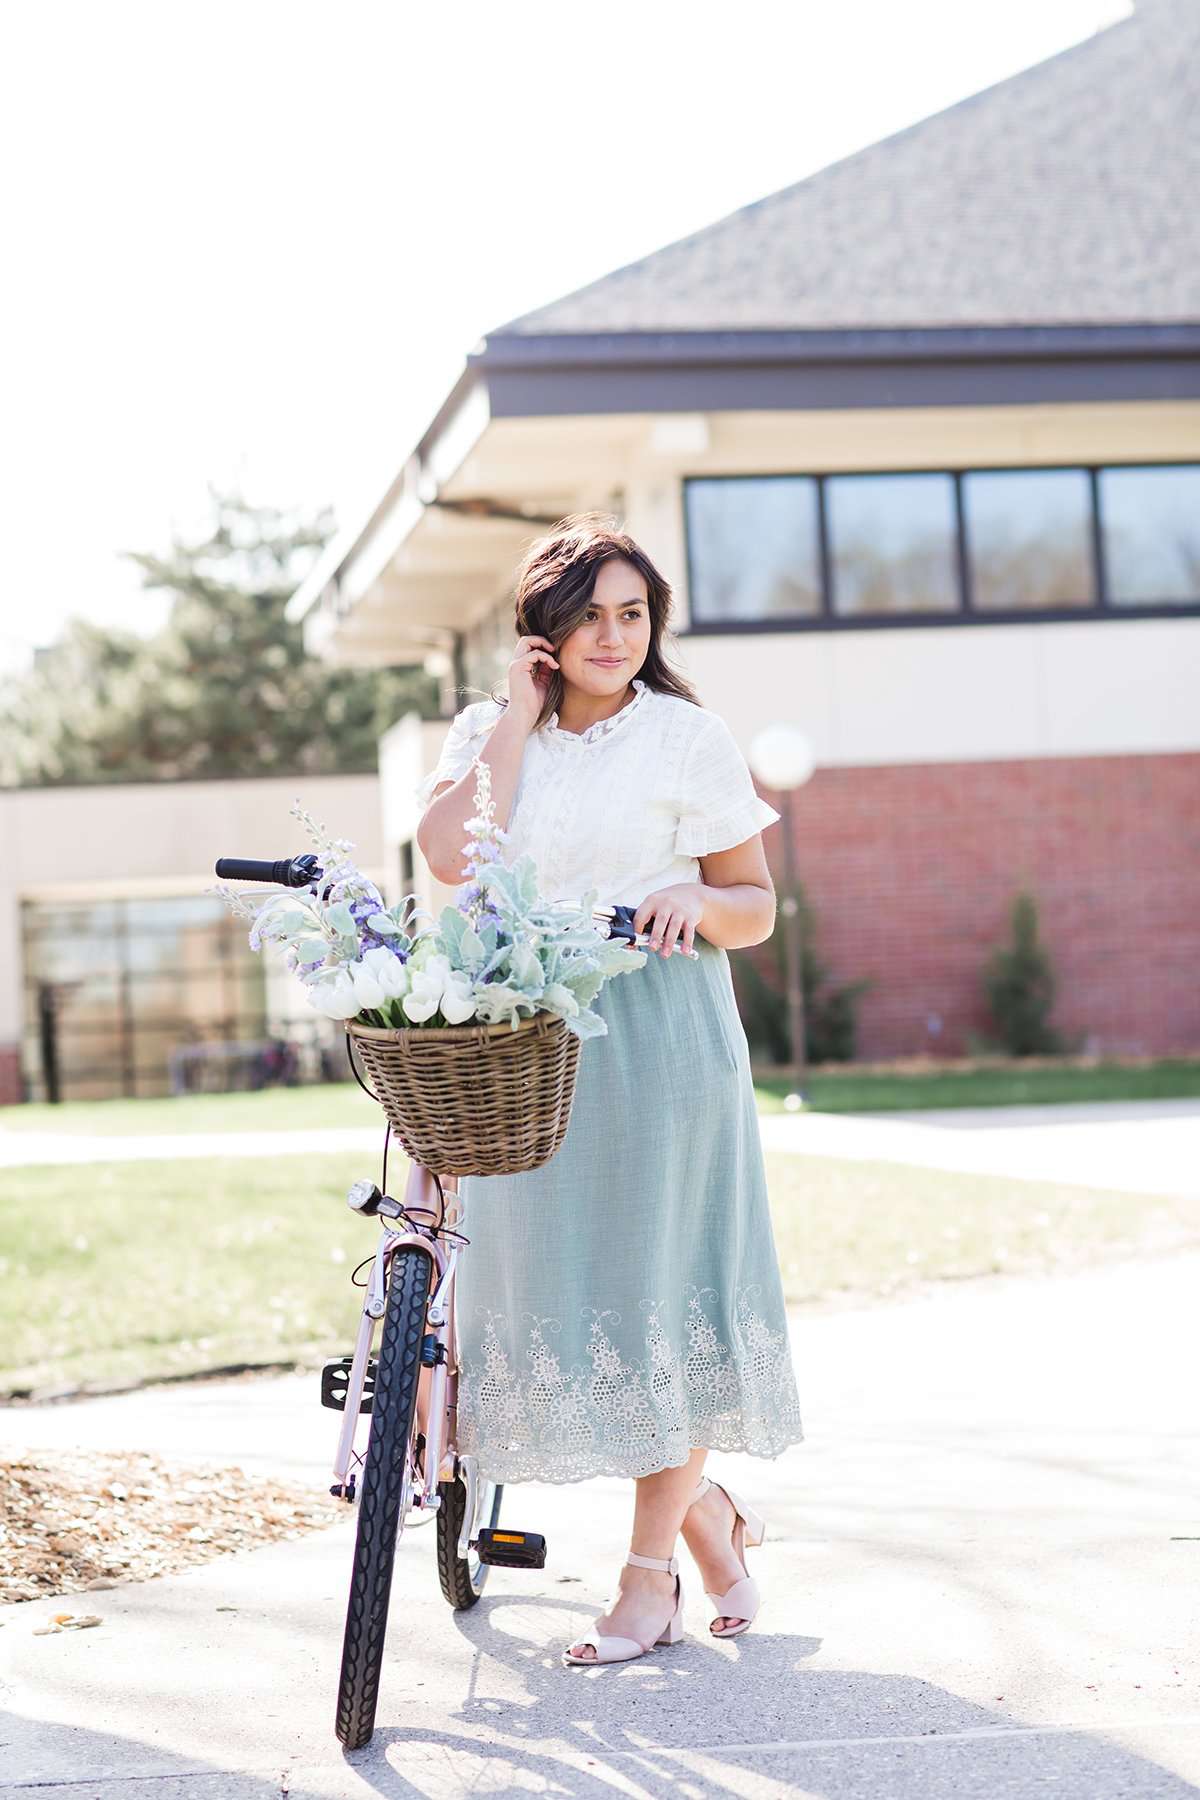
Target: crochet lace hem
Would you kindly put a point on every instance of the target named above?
(726, 1381)
(533, 1465)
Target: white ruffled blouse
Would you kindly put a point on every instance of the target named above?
(627, 806)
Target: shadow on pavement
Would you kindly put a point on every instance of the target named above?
(65, 1758)
(695, 1721)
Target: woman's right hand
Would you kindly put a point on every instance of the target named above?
(529, 675)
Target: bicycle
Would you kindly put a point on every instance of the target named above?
(410, 1464)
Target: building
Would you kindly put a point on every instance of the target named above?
(119, 969)
(917, 442)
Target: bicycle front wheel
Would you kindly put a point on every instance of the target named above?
(382, 1495)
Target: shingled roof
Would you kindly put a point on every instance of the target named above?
(1066, 194)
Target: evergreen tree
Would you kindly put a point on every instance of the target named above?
(1018, 981)
(225, 688)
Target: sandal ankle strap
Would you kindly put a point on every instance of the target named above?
(668, 1566)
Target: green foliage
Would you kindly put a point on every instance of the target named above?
(225, 688)
(1019, 984)
(830, 1017)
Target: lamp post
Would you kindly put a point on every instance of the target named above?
(782, 758)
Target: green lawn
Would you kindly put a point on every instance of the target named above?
(844, 1090)
(147, 1270)
(274, 1109)
(1011, 1084)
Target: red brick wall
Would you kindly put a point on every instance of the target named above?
(912, 869)
(10, 1075)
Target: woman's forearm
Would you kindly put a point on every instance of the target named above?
(442, 833)
(738, 915)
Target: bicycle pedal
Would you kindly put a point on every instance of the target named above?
(509, 1549)
(335, 1384)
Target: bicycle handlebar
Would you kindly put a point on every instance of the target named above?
(302, 871)
(290, 871)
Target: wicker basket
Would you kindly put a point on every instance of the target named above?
(474, 1099)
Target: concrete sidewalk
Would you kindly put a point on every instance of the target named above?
(980, 1577)
(27, 1149)
(1138, 1146)
(1142, 1146)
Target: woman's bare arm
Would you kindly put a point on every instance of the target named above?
(442, 833)
(738, 894)
(732, 905)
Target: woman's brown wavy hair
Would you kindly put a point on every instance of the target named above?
(555, 580)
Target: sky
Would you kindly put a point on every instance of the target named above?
(250, 244)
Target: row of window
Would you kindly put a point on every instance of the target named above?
(992, 542)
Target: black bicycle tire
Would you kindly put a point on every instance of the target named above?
(397, 1373)
(454, 1571)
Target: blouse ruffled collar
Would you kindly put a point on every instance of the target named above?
(602, 727)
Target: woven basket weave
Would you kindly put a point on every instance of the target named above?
(474, 1099)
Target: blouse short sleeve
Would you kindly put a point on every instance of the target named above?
(720, 807)
(468, 733)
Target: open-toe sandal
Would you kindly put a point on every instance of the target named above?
(742, 1600)
(610, 1646)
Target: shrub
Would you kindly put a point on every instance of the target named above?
(830, 1018)
(1019, 984)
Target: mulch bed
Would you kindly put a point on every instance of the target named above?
(73, 1521)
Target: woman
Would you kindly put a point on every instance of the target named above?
(621, 1310)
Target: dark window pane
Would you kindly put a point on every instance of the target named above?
(1029, 539)
(1151, 524)
(892, 543)
(754, 547)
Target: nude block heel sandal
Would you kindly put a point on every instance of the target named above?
(743, 1599)
(610, 1647)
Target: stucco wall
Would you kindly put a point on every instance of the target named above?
(970, 693)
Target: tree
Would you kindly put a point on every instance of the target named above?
(1018, 981)
(225, 688)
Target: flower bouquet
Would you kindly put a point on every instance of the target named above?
(469, 1025)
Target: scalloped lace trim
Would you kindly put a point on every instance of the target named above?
(608, 1416)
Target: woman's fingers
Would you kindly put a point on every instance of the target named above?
(670, 935)
(663, 930)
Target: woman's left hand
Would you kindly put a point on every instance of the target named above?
(676, 911)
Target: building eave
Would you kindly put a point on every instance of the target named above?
(527, 375)
(934, 343)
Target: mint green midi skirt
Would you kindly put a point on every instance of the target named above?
(623, 1303)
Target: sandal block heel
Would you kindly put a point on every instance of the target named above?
(756, 1525)
(674, 1630)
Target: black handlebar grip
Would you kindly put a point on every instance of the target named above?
(291, 871)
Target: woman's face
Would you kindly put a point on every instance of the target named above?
(609, 646)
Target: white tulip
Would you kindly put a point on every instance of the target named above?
(392, 975)
(438, 986)
(458, 1003)
(424, 997)
(366, 986)
(336, 997)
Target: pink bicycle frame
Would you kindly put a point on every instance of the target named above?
(440, 1382)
